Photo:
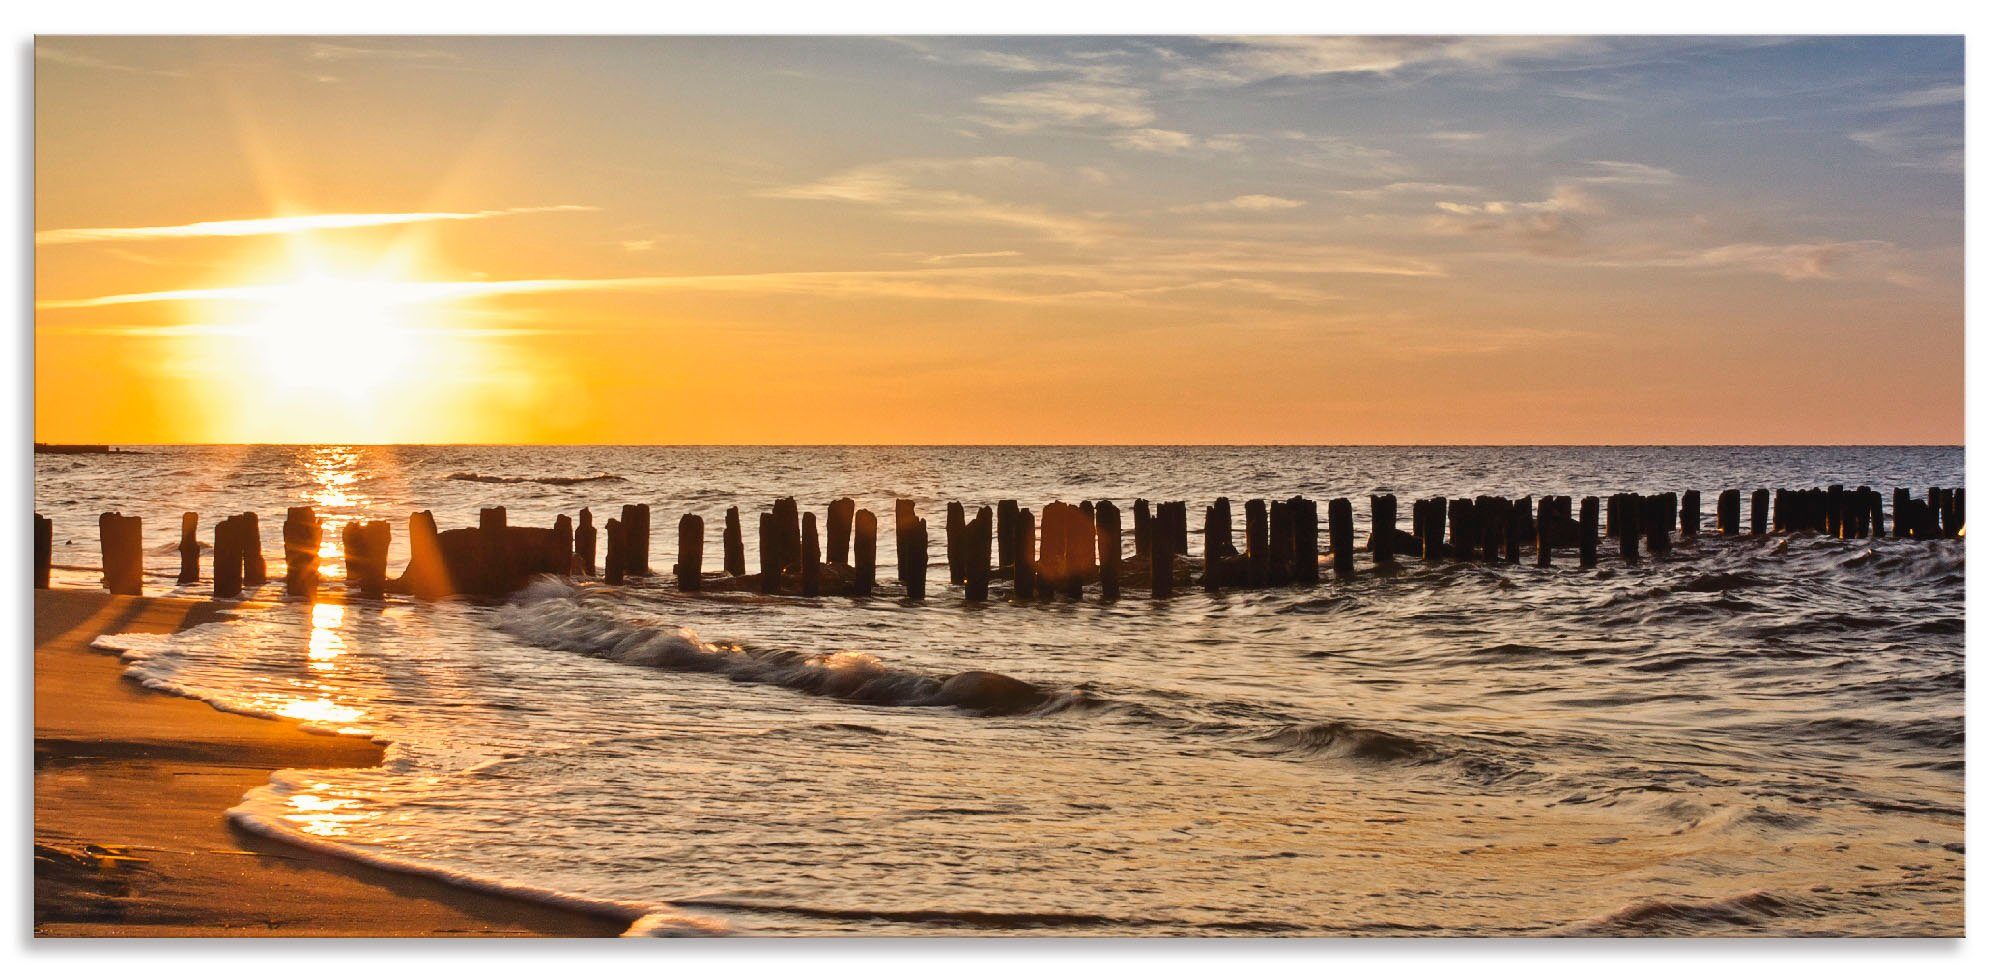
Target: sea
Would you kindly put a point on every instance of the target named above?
(1750, 736)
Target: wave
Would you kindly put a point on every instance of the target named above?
(463, 477)
(264, 809)
(1655, 917)
(554, 614)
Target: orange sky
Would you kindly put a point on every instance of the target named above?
(1058, 240)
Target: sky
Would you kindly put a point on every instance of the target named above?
(1092, 240)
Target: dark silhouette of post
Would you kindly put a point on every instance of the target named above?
(839, 529)
(1760, 508)
(495, 569)
(979, 562)
(688, 570)
(1162, 558)
(1545, 531)
(1110, 549)
(190, 550)
(1142, 530)
(1382, 528)
(1024, 555)
(732, 543)
(1728, 512)
(1586, 532)
(770, 553)
(1214, 527)
(365, 551)
(1691, 513)
(45, 549)
(864, 554)
(586, 542)
(302, 535)
(954, 542)
(637, 519)
(1305, 541)
(227, 554)
(1003, 531)
(121, 549)
(614, 551)
(1340, 524)
(808, 556)
(255, 572)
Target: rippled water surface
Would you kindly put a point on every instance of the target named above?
(1752, 736)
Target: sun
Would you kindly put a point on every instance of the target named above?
(328, 333)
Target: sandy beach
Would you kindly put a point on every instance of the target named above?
(130, 792)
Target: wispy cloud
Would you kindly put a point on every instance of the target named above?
(1247, 60)
(923, 190)
(1067, 104)
(1252, 203)
(276, 225)
(326, 51)
(54, 54)
(1912, 147)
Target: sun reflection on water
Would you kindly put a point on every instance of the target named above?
(323, 816)
(324, 644)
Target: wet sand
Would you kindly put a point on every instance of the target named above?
(130, 792)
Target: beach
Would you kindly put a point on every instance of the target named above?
(131, 789)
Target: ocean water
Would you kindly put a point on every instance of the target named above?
(1751, 737)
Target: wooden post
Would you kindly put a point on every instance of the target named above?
(560, 546)
(301, 534)
(839, 529)
(614, 551)
(1004, 531)
(1545, 531)
(1760, 510)
(638, 544)
(190, 550)
(979, 555)
(1257, 541)
(1514, 532)
(45, 549)
(227, 556)
(1691, 513)
(1586, 533)
(808, 555)
(1340, 524)
(1214, 525)
(365, 551)
(496, 571)
(1024, 556)
(255, 572)
(1142, 530)
(732, 543)
(1170, 527)
(1728, 512)
(688, 570)
(1162, 559)
(769, 553)
(920, 554)
(1305, 541)
(864, 554)
(1463, 517)
(1628, 525)
(121, 549)
(425, 575)
(954, 541)
(586, 542)
(1110, 549)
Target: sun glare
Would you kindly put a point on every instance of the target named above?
(323, 332)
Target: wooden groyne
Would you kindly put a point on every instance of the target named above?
(1069, 549)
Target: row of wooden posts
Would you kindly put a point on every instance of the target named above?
(1078, 544)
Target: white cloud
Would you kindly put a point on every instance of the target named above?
(274, 225)
(1247, 60)
(1067, 104)
(1629, 173)
(1252, 203)
(921, 190)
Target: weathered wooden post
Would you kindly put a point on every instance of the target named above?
(1305, 541)
(45, 549)
(1170, 527)
(1024, 556)
(1586, 532)
(1004, 532)
(1545, 531)
(586, 542)
(1162, 559)
(301, 534)
(864, 554)
(1514, 533)
(425, 576)
(1659, 519)
(954, 541)
(919, 557)
(1691, 513)
(1278, 563)
(120, 548)
(1142, 530)
(614, 551)
(1728, 512)
(228, 558)
(255, 572)
(365, 551)
(1463, 517)
(1257, 542)
(1628, 525)
(1340, 524)
(190, 550)
(1875, 513)
(839, 529)
(808, 556)
(637, 518)
(688, 570)
(495, 567)
(1432, 530)
(732, 543)
(559, 546)
(1760, 509)
(979, 555)
(1110, 549)
(1213, 526)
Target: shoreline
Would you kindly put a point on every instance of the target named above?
(132, 792)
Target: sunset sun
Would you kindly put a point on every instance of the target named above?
(321, 331)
